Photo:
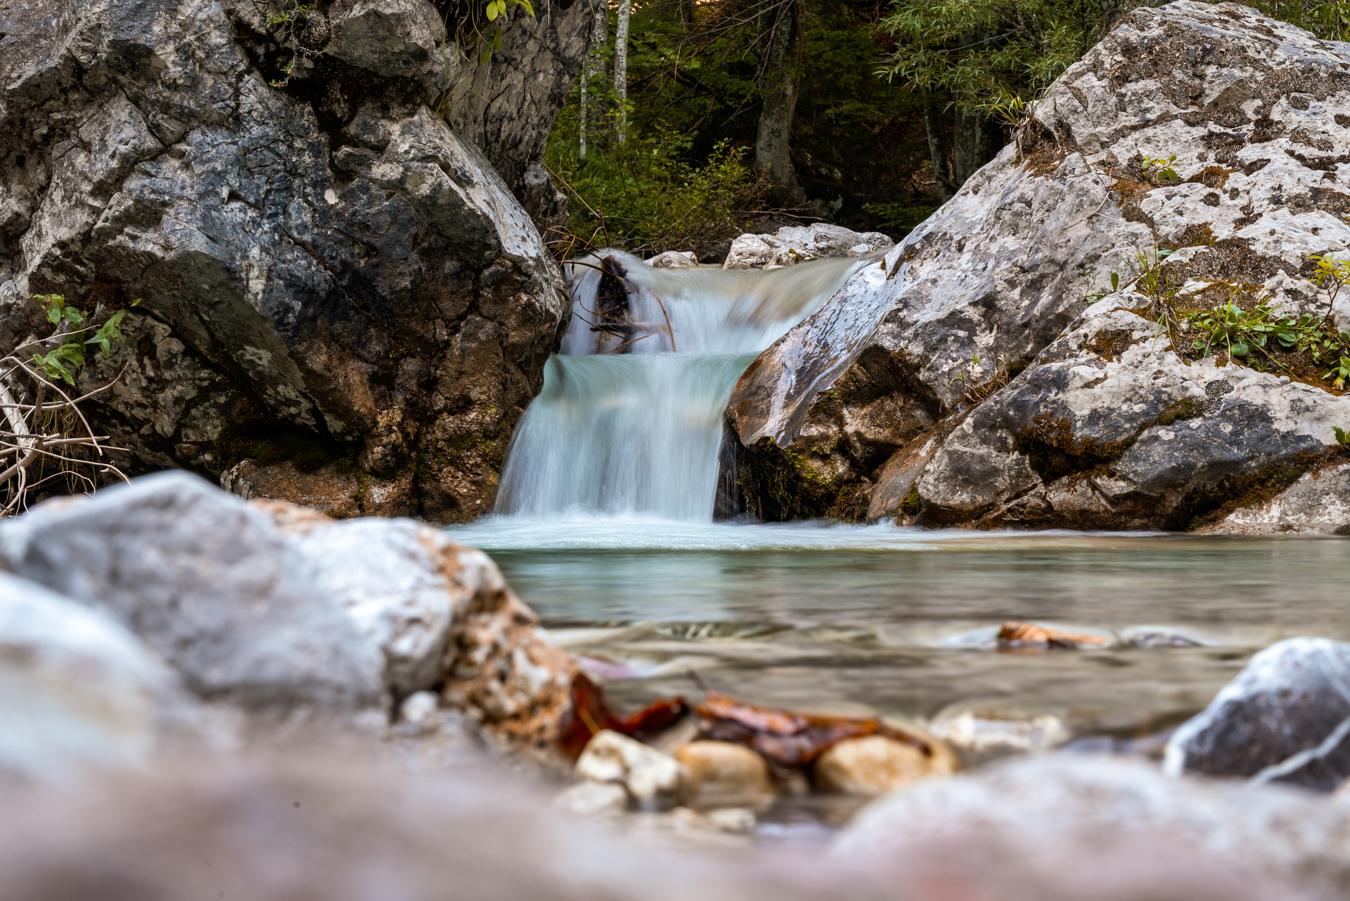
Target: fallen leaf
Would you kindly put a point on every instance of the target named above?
(590, 713)
(1022, 635)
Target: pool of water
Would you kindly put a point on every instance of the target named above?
(901, 622)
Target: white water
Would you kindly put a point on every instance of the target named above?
(629, 425)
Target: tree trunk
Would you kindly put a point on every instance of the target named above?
(621, 67)
(781, 45)
(593, 70)
(935, 128)
(977, 141)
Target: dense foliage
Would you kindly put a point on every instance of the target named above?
(895, 104)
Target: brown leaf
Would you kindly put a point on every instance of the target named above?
(1014, 634)
(590, 713)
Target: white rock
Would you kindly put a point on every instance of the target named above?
(593, 799)
(674, 259)
(654, 780)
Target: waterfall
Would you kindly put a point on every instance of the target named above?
(630, 418)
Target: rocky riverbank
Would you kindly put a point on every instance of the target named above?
(366, 703)
(1120, 323)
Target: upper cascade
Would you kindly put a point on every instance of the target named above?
(630, 419)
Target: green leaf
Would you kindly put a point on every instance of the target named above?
(1239, 349)
(1341, 436)
(1115, 281)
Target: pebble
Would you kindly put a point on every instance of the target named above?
(721, 774)
(979, 735)
(593, 799)
(876, 764)
(653, 779)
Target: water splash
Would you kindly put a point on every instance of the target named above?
(630, 418)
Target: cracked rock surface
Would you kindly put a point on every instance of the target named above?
(317, 256)
(966, 378)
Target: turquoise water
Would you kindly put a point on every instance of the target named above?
(900, 622)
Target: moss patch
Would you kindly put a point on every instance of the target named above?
(270, 443)
(781, 485)
(1053, 452)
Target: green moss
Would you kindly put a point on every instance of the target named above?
(780, 485)
(912, 505)
(1186, 408)
(1053, 451)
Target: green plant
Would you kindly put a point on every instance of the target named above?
(1340, 373)
(1160, 286)
(1236, 331)
(1331, 275)
(63, 361)
(1342, 436)
(1160, 171)
(1115, 286)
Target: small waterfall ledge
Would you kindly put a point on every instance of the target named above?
(629, 421)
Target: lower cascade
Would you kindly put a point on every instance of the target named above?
(629, 421)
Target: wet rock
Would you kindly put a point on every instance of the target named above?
(876, 764)
(982, 734)
(793, 244)
(653, 780)
(721, 774)
(273, 226)
(1139, 833)
(77, 689)
(1285, 718)
(418, 709)
(1318, 503)
(674, 259)
(593, 799)
(1105, 426)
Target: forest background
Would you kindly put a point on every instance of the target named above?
(697, 120)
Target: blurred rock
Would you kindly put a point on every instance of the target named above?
(1285, 718)
(876, 764)
(653, 780)
(674, 259)
(722, 774)
(1100, 827)
(593, 799)
(76, 688)
(272, 607)
(332, 490)
(982, 734)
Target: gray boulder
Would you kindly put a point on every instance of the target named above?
(865, 409)
(325, 269)
(77, 689)
(1318, 503)
(210, 584)
(793, 244)
(1285, 718)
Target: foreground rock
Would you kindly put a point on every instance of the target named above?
(653, 780)
(966, 378)
(1046, 810)
(277, 607)
(314, 265)
(1285, 718)
(308, 827)
(77, 689)
(877, 764)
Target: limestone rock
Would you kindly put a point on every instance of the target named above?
(793, 244)
(722, 774)
(1048, 811)
(207, 582)
(76, 688)
(1318, 503)
(1110, 428)
(323, 265)
(271, 606)
(876, 764)
(336, 491)
(653, 780)
(674, 259)
(1285, 718)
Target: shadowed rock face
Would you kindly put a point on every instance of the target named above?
(324, 259)
(966, 375)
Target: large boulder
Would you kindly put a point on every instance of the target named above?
(274, 607)
(1285, 718)
(314, 265)
(968, 378)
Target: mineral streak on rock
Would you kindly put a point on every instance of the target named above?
(325, 268)
(1085, 415)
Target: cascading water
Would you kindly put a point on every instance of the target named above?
(630, 418)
